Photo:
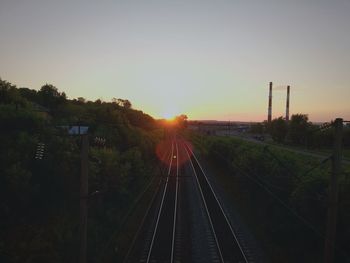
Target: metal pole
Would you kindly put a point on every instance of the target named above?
(83, 197)
(269, 112)
(333, 193)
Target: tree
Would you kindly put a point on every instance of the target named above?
(299, 126)
(181, 121)
(278, 129)
(8, 92)
(39, 196)
(81, 99)
(50, 96)
(29, 94)
(122, 103)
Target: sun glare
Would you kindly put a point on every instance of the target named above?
(169, 118)
(170, 115)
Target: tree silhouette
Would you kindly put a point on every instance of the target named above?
(298, 128)
(278, 129)
(50, 96)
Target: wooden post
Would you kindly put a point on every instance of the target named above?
(333, 193)
(83, 197)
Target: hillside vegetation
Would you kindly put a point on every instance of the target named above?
(282, 195)
(39, 197)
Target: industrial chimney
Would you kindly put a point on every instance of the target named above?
(269, 114)
(287, 104)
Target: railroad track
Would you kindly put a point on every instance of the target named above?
(162, 245)
(165, 234)
(226, 241)
(156, 239)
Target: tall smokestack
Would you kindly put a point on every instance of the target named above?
(287, 104)
(269, 114)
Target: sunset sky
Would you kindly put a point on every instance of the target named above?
(207, 59)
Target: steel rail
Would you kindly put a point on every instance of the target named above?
(188, 150)
(176, 195)
(205, 205)
(162, 205)
(126, 257)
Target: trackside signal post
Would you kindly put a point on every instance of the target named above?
(83, 196)
(82, 132)
(333, 192)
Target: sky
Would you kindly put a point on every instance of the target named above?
(206, 59)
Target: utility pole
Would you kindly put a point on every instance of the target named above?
(333, 192)
(83, 196)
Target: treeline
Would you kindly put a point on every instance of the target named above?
(300, 131)
(39, 185)
(283, 197)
